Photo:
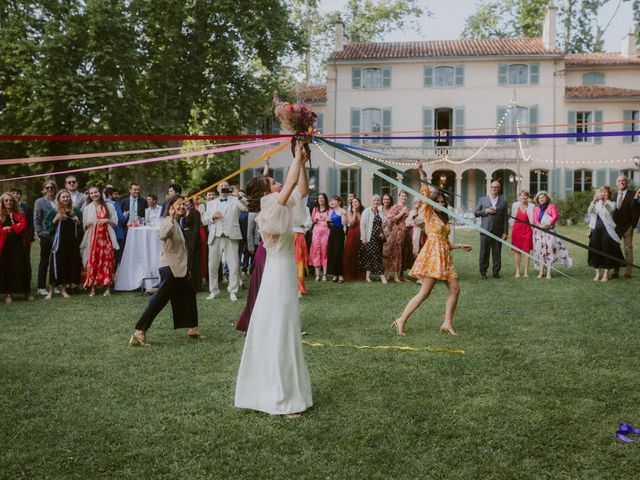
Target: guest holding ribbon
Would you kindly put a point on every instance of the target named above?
(15, 272)
(352, 244)
(521, 232)
(372, 238)
(548, 249)
(434, 262)
(64, 224)
(335, 251)
(603, 235)
(99, 243)
(320, 239)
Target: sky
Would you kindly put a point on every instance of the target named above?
(449, 17)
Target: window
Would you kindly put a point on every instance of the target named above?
(372, 78)
(582, 180)
(583, 120)
(443, 77)
(314, 180)
(634, 125)
(372, 122)
(349, 182)
(320, 123)
(518, 74)
(593, 78)
(538, 180)
(516, 118)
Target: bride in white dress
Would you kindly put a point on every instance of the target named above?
(273, 375)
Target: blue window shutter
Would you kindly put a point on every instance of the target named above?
(357, 173)
(386, 125)
(356, 77)
(355, 123)
(502, 74)
(600, 177)
(571, 120)
(534, 73)
(278, 174)
(332, 183)
(459, 75)
(533, 120)
(428, 76)
(613, 175)
(627, 116)
(554, 175)
(597, 127)
(427, 125)
(386, 77)
(458, 119)
(501, 111)
(568, 182)
(320, 123)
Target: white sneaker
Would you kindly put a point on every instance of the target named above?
(56, 290)
(43, 291)
(212, 296)
(233, 297)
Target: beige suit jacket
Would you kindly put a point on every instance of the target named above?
(174, 249)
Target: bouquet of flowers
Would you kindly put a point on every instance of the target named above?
(295, 117)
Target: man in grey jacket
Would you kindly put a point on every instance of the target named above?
(492, 209)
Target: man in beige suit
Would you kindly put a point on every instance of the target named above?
(223, 217)
(174, 280)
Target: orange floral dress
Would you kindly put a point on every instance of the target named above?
(434, 259)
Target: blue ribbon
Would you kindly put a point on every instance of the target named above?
(623, 133)
(623, 430)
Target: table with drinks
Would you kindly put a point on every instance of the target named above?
(139, 264)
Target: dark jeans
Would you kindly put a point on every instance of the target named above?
(45, 254)
(489, 245)
(182, 296)
(120, 251)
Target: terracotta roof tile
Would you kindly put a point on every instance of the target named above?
(599, 92)
(601, 58)
(313, 93)
(443, 48)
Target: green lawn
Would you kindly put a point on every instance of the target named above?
(550, 368)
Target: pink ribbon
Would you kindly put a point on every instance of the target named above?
(242, 146)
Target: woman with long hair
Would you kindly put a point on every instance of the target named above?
(190, 224)
(99, 243)
(434, 262)
(320, 239)
(64, 224)
(335, 251)
(548, 249)
(352, 244)
(395, 226)
(14, 251)
(521, 232)
(603, 235)
(372, 238)
(273, 375)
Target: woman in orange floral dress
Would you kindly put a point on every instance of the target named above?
(434, 262)
(99, 243)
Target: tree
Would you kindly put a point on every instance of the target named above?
(118, 67)
(365, 21)
(580, 30)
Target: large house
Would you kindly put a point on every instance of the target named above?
(476, 87)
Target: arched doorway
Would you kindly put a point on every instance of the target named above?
(474, 186)
(382, 186)
(508, 183)
(446, 180)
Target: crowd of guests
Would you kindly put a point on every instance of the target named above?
(82, 235)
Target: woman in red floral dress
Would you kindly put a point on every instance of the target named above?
(394, 224)
(99, 243)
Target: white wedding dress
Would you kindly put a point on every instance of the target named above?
(273, 375)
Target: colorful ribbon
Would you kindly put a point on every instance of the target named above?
(624, 429)
(387, 347)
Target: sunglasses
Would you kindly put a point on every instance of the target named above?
(72, 181)
(49, 187)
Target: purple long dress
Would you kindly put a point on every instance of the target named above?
(254, 286)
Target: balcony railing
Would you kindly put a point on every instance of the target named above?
(494, 153)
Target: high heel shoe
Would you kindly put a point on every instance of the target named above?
(448, 330)
(396, 327)
(137, 340)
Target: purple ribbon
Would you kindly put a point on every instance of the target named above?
(623, 430)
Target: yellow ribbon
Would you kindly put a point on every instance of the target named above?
(387, 347)
(264, 156)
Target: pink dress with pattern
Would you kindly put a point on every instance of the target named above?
(320, 238)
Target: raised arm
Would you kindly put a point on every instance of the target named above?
(303, 180)
(292, 177)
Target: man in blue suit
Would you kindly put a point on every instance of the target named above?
(133, 205)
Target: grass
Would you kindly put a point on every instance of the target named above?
(549, 370)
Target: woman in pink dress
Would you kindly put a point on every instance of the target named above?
(521, 232)
(320, 240)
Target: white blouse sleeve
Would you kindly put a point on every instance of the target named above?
(274, 219)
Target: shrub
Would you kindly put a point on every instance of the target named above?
(572, 210)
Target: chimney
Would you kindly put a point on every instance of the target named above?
(549, 26)
(339, 35)
(629, 46)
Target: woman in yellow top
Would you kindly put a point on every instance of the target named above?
(434, 262)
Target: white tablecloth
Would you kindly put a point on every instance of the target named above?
(139, 260)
